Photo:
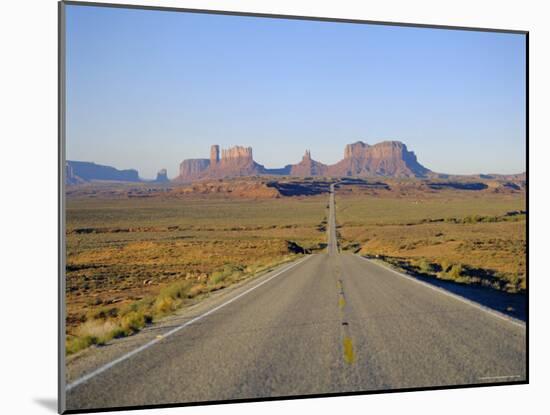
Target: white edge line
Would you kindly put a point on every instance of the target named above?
(455, 296)
(126, 356)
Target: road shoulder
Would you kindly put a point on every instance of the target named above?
(96, 357)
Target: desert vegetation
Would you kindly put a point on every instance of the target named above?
(131, 261)
(137, 253)
(462, 235)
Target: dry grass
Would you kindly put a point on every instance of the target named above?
(131, 261)
(456, 235)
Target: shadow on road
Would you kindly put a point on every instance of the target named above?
(514, 305)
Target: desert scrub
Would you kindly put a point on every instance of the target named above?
(445, 266)
(131, 323)
(455, 272)
(164, 305)
(516, 283)
(108, 322)
(171, 297)
(103, 313)
(231, 272)
(425, 266)
(91, 332)
(74, 344)
(121, 249)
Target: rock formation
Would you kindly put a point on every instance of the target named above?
(388, 158)
(234, 161)
(70, 176)
(355, 150)
(214, 154)
(308, 167)
(82, 171)
(162, 176)
(192, 169)
(236, 153)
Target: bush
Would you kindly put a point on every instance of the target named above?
(516, 282)
(445, 265)
(163, 305)
(217, 277)
(177, 290)
(171, 296)
(104, 312)
(229, 271)
(98, 331)
(91, 332)
(456, 272)
(74, 344)
(196, 290)
(425, 266)
(133, 322)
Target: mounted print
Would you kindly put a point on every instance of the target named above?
(258, 207)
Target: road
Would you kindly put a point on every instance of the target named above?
(328, 323)
(332, 240)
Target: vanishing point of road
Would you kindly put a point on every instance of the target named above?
(327, 323)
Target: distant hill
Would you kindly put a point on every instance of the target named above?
(83, 171)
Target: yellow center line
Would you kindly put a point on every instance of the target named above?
(341, 302)
(349, 355)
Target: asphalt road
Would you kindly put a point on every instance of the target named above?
(328, 323)
(332, 240)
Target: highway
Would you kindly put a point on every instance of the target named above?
(327, 323)
(332, 240)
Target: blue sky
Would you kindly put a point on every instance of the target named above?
(147, 89)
